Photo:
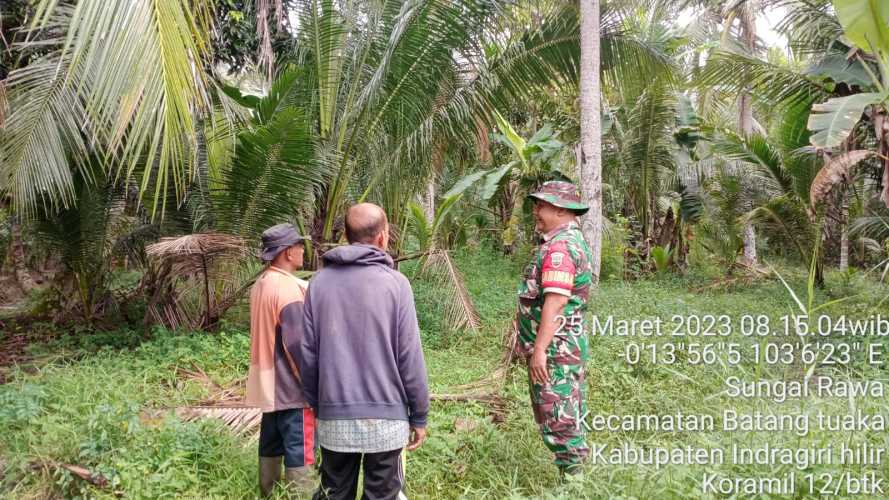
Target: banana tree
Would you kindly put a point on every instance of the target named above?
(866, 25)
(532, 161)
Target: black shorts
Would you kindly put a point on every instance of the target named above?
(288, 433)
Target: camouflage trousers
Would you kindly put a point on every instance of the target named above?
(559, 408)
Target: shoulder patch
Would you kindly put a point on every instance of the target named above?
(557, 258)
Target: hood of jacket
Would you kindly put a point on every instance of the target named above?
(358, 254)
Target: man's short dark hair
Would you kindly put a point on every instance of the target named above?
(364, 227)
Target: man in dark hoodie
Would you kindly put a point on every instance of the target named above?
(362, 363)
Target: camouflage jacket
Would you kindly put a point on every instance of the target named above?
(560, 265)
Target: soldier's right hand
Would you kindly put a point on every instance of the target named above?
(537, 366)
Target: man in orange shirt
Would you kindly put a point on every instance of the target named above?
(287, 430)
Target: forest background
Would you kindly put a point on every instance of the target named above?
(144, 146)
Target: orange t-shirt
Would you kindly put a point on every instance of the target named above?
(276, 306)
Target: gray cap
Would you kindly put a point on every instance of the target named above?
(278, 238)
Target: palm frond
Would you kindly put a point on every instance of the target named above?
(792, 130)
(875, 227)
(546, 55)
(132, 73)
(85, 233)
(326, 31)
(725, 199)
(771, 84)
(459, 310)
(189, 253)
(402, 64)
(421, 225)
(240, 419)
(193, 279)
(46, 127)
(266, 55)
(757, 152)
(786, 216)
(647, 151)
(275, 172)
(810, 25)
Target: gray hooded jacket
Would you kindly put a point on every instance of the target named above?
(360, 355)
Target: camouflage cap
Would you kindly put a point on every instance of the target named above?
(561, 194)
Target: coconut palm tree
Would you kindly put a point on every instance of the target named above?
(87, 237)
(124, 79)
(739, 38)
(410, 75)
(441, 84)
(837, 82)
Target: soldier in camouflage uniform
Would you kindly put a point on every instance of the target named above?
(552, 302)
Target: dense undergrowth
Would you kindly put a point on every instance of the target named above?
(99, 400)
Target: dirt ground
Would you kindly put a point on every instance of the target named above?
(14, 338)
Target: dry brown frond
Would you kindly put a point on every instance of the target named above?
(833, 172)
(240, 419)
(191, 252)
(196, 278)
(220, 395)
(459, 309)
(266, 57)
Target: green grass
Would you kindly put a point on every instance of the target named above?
(85, 401)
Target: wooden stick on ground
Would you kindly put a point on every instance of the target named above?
(94, 478)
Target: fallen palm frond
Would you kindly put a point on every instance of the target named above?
(487, 390)
(240, 419)
(482, 398)
(232, 394)
(495, 381)
(226, 403)
(496, 403)
(511, 340)
(459, 310)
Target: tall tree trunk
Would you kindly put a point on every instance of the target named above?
(745, 120)
(881, 129)
(844, 231)
(19, 264)
(749, 244)
(429, 200)
(591, 131)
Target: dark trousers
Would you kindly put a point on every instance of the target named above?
(383, 475)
